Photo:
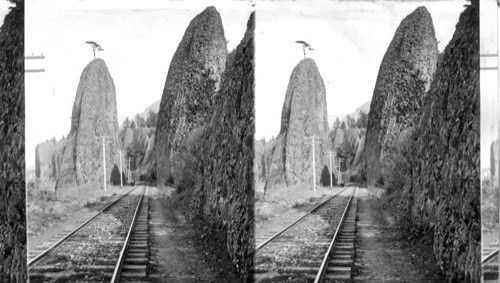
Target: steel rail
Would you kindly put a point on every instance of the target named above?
(257, 249)
(119, 263)
(62, 240)
(324, 263)
(487, 259)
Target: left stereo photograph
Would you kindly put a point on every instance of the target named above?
(139, 141)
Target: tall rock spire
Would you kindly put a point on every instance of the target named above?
(94, 115)
(193, 79)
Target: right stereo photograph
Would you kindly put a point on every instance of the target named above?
(490, 169)
(373, 142)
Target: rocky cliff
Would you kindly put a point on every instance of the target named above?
(193, 79)
(58, 156)
(149, 151)
(45, 160)
(94, 115)
(441, 196)
(12, 177)
(303, 115)
(224, 194)
(404, 77)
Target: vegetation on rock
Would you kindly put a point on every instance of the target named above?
(94, 116)
(12, 158)
(193, 79)
(224, 194)
(45, 162)
(405, 75)
(441, 195)
(304, 115)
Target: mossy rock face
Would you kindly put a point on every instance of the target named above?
(12, 158)
(58, 156)
(442, 195)
(304, 115)
(94, 115)
(45, 163)
(128, 137)
(193, 79)
(404, 77)
(224, 191)
(149, 151)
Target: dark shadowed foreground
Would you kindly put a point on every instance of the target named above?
(12, 174)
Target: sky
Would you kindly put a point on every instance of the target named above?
(139, 39)
(489, 79)
(349, 41)
(4, 10)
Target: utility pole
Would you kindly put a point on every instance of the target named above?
(313, 142)
(121, 170)
(128, 172)
(104, 161)
(34, 57)
(104, 158)
(339, 172)
(498, 90)
(336, 165)
(331, 169)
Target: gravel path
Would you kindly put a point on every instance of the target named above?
(173, 253)
(382, 253)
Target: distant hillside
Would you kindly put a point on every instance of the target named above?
(155, 107)
(343, 117)
(144, 114)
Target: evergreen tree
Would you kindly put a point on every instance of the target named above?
(140, 122)
(115, 176)
(324, 180)
(126, 124)
(363, 119)
(152, 119)
(336, 124)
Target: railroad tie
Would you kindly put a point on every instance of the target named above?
(135, 263)
(342, 257)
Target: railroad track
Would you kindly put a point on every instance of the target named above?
(110, 246)
(489, 264)
(318, 247)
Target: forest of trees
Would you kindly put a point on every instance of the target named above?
(135, 150)
(348, 146)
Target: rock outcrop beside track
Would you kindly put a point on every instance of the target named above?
(404, 77)
(441, 194)
(193, 79)
(12, 158)
(304, 115)
(94, 115)
(224, 194)
(45, 160)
